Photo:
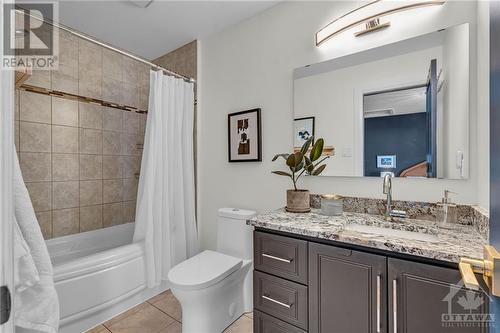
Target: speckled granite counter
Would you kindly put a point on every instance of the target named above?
(448, 242)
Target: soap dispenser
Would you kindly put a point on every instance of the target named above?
(447, 211)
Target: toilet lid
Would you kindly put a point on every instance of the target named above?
(203, 270)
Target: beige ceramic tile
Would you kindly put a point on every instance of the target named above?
(126, 314)
(16, 134)
(90, 167)
(16, 104)
(249, 315)
(112, 119)
(68, 52)
(175, 327)
(112, 190)
(90, 192)
(90, 141)
(65, 167)
(45, 223)
(143, 98)
(130, 186)
(129, 94)
(64, 139)
(90, 115)
(90, 58)
(90, 85)
(35, 137)
(112, 65)
(90, 218)
(98, 329)
(112, 144)
(131, 166)
(35, 107)
(40, 195)
(112, 214)
(64, 112)
(169, 304)
(148, 319)
(112, 90)
(65, 194)
(65, 79)
(42, 79)
(130, 144)
(35, 167)
(112, 167)
(131, 122)
(242, 325)
(130, 71)
(65, 222)
(129, 211)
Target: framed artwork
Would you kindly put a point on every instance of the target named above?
(303, 130)
(244, 136)
(386, 161)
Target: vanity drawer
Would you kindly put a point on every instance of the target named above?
(263, 323)
(281, 298)
(281, 256)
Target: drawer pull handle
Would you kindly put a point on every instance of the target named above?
(267, 298)
(395, 305)
(378, 303)
(276, 258)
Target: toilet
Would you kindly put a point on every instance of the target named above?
(215, 287)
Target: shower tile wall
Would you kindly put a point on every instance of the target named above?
(81, 161)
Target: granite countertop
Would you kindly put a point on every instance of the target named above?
(446, 242)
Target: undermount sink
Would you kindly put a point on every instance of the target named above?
(374, 230)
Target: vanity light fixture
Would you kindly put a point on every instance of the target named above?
(370, 15)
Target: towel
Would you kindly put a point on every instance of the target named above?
(36, 301)
(25, 272)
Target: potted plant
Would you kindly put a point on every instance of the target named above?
(297, 200)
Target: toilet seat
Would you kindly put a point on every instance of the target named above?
(203, 270)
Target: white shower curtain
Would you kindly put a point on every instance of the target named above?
(165, 214)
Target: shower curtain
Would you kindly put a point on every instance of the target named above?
(165, 214)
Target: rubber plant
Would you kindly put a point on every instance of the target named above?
(300, 163)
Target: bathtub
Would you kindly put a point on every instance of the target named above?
(98, 274)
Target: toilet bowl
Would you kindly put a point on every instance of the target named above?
(214, 288)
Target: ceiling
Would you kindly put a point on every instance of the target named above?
(159, 28)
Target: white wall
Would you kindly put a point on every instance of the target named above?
(455, 101)
(250, 65)
(335, 99)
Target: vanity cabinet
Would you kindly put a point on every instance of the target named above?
(301, 285)
(423, 298)
(347, 290)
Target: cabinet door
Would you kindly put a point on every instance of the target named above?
(347, 291)
(426, 298)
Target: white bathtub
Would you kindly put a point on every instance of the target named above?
(98, 274)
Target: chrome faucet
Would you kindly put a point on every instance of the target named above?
(389, 212)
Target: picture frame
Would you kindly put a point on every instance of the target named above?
(386, 161)
(303, 129)
(244, 136)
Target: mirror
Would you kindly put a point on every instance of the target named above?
(401, 108)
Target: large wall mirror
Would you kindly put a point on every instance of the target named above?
(401, 108)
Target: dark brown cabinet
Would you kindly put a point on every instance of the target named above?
(347, 290)
(428, 298)
(304, 286)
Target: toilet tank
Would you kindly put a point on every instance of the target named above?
(234, 236)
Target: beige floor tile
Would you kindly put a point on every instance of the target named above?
(125, 314)
(159, 297)
(175, 327)
(147, 319)
(169, 304)
(98, 329)
(242, 325)
(249, 314)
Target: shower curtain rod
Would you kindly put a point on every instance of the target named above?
(112, 48)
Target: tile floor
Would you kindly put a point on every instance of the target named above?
(161, 314)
